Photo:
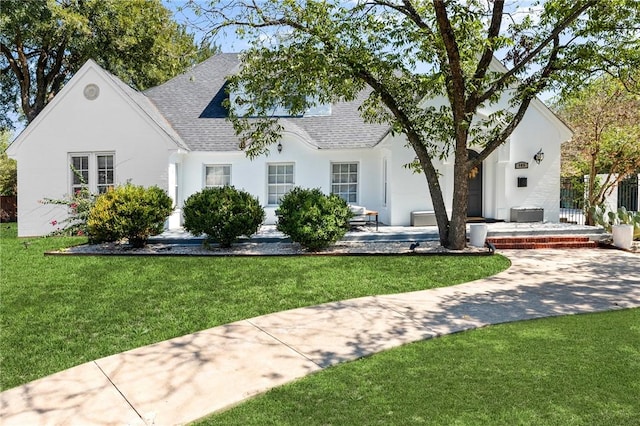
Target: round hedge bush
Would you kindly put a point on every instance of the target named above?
(313, 219)
(129, 211)
(222, 214)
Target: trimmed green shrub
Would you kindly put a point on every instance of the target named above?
(222, 214)
(313, 219)
(129, 211)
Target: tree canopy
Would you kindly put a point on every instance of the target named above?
(8, 167)
(605, 117)
(409, 50)
(44, 42)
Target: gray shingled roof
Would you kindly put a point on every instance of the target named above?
(192, 104)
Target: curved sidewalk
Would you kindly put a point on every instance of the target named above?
(183, 379)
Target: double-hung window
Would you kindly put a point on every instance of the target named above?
(344, 181)
(280, 180)
(79, 172)
(217, 175)
(105, 172)
(95, 171)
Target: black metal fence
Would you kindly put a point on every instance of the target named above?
(572, 195)
(628, 193)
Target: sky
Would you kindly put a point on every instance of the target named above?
(229, 43)
(196, 25)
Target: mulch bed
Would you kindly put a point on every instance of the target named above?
(250, 248)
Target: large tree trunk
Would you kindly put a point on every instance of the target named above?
(457, 239)
(433, 183)
(452, 233)
(439, 207)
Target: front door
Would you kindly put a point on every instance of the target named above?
(474, 207)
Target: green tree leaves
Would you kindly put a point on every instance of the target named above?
(605, 117)
(44, 42)
(8, 168)
(408, 51)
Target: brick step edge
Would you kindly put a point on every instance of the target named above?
(552, 245)
(540, 239)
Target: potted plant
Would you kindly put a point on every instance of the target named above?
(624, 226)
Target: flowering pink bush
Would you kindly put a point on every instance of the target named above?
(79, 206)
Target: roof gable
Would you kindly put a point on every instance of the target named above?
(565, 131)
(135, 99)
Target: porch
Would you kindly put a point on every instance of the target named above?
(269, 233)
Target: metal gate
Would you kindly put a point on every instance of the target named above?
(572, 200)
(628, 193)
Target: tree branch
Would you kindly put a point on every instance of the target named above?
(492, 33)
(456, 86)
(21, 70)
(54, 78)
(487, 56)
(555, 33)
(532, 90)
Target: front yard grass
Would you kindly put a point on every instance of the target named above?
(573, 370)
(61, 311)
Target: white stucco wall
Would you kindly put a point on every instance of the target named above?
(74, 124)
(408, 191)
(543, 180)
(312, 169)
(145, 155)
(539, 129)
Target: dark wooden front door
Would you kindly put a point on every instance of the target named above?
(474, 208)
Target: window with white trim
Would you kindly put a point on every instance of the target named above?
(217, 175)
(280, 180)
(105, 172)
(344, 181)
(95, 171)
(79, 172)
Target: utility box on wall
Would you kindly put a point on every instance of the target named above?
(522, 182)
(527, 214)
(423, 218)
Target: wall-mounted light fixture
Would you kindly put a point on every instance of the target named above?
(539, 156)
(279, 147)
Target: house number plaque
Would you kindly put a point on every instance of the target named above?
(522, 165)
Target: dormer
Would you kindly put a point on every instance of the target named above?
(316, 109)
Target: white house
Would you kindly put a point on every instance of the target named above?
(176, 136)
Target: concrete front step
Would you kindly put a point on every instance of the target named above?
(542, 242)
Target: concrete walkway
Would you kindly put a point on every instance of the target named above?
(183, 379)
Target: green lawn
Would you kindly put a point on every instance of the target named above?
(61, 311)
(574, 370)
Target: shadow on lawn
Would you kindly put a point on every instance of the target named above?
(182, 379)
(539, 284)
